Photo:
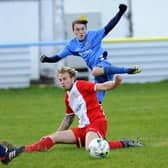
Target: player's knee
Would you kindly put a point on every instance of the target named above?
(98, 71)
(86, 148)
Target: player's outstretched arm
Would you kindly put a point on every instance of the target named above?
(109, 85)
(111, 24)
(66, 122)
(52, 59)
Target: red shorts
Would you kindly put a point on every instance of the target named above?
(99, 126)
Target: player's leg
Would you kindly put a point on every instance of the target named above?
(125, 143)
(105, 72)
(101, 79)
(106, 68)
(131, 143)
(115, 144)
(90, 135)
(98, 130)
(121, 70)
(100, 95)
(63, 137)
(46, 143)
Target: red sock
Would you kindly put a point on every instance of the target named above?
(115, 144)
(2, 158)
(42, 145)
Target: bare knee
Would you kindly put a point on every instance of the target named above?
(97, 71)
(91, 135)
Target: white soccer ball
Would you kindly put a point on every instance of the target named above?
(99, 148)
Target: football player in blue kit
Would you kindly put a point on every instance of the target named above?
(87, 44)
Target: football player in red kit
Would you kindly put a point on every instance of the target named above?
(81, 101)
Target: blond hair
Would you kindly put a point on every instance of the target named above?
(71, 71)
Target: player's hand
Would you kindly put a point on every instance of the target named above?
(43, 58)
(122, 8)
(118, 79)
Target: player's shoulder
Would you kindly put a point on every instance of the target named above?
(91, 33)
(95, 31)
(78, 82)
(73, 40)
(84, 83)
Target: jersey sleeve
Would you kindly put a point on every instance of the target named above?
(87, 86)
(64, 52)
(100, 34)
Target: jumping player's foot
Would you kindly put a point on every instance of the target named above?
(134, 70)
(131, 143)
(8, 145)
(12, 153)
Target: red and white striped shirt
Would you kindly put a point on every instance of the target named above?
(82, 101)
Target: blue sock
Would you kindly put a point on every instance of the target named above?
(115, 70)
(2, 151)
(100, 96)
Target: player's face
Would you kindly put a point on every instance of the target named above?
(80, 31)
(66, 81)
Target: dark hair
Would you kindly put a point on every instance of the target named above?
(79, 21)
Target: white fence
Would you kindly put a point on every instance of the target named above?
(16, 65)
(19, 63)
(150, 54)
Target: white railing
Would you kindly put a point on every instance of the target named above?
(20, 61)
(150, 54)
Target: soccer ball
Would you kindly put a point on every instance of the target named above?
(99, 148)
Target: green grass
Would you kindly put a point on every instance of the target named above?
(133, 110)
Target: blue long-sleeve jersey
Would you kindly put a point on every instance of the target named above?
(90, 48)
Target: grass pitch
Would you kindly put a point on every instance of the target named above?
(133, 111)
